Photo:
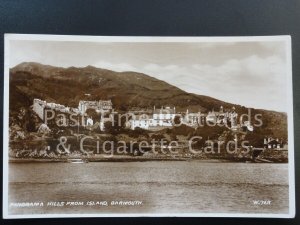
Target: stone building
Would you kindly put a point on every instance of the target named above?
(99, 106)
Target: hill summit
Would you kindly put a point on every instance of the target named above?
(126, 90)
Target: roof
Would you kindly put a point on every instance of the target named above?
(96, 103)
(166, 110)
(273, 142)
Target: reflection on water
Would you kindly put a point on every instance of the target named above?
(163, 187)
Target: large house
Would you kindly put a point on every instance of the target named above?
(164, 116)
(221, 117)
(272, 143)
(99, 106)
(39, 106)
(160, 118)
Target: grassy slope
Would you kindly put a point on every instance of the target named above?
(127, 89)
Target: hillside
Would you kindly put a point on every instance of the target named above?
(126, 90)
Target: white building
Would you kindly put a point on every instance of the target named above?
(248, 126)
(192, 119)
(141, 123)
(39, 107)
(89, 122)
(162, 117)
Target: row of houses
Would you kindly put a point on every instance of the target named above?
(165, 116)
(162, 117)
(222, 117)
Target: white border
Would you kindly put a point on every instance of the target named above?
(33, 37)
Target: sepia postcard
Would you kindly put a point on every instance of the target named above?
(100, 126)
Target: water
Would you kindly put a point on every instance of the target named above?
(162, 187)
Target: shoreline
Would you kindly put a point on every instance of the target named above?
(110, 159)
(138, 159)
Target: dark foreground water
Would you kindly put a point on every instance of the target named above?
(148, 187)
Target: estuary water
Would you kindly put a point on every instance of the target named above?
(148, 187)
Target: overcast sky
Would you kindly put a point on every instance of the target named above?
(252, 74)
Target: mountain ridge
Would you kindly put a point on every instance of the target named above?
(127, 90)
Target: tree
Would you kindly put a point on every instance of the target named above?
(177, 120)
(115, 125)
(93, 114)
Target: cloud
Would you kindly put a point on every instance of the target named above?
(253, 81)
(247, 73)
